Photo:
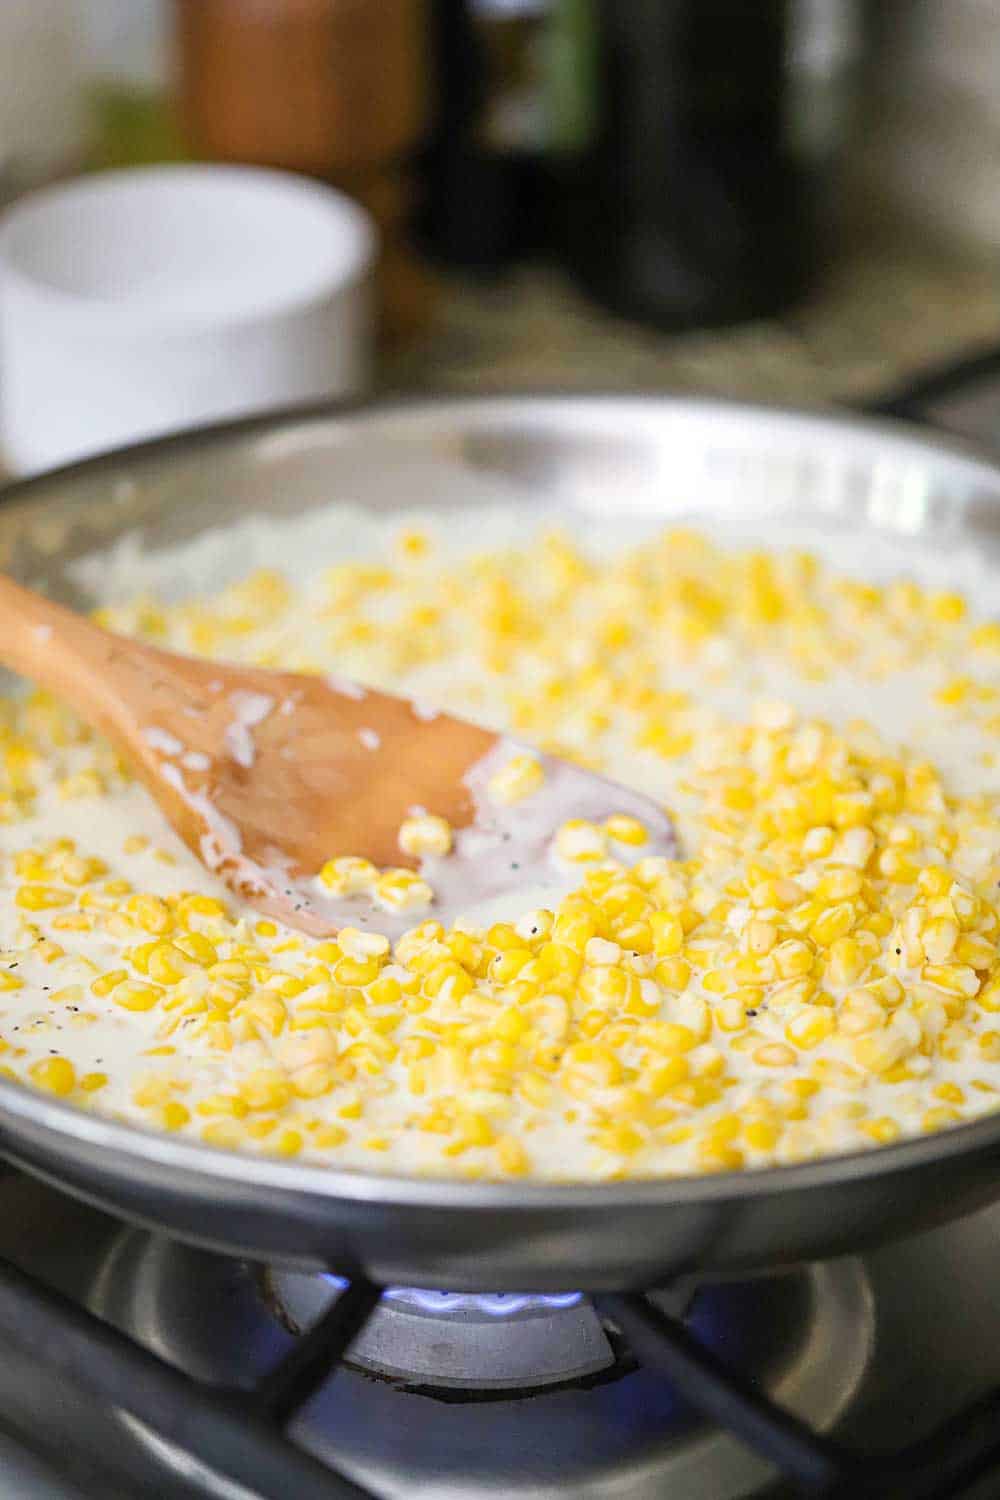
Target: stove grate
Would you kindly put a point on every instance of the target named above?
(240, 1433)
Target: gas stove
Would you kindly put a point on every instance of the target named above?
(451, 1395)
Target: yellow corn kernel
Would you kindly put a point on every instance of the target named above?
(75, 870)
(793, 958)
(131, 995)
(592, 1064)
(975, 951)
(673, 974)
(288, 1143)
(198, 948)
(934, 880)
(313, 1081)
(938, 1118)
(519, 778)
(360, 946)
(853, 848)
(896, 868)
(265, 1089)
(836, 922)
(719, 1156)
(779, 893)
(773, 1055)
(879, 1051)
(167, 964)
(626, 830)
(989, 996)
(668, 933)
(620, 1139)
(884, 1130)
(670, 1037)
(151, 913)
(55, 1074)
(510, 1025)
(730, 1013)
(224, 1104)
(349, 971)
(174, 1115)
(401, 890)
(818, 843)
(537, 1090)
(954, 979)
(761, 1135)
(425, 834)
(578, 841)
(887, 990)
(810, 1027)
(859, 1013)
(42, 897)
(474, 1129)
(511, 1156)
(265, 1011)
(946, 608)
(724, 1128)
(761, 936)
(194, 904)
(938, 940)
(839, 885)
(348, 876)
(92, 1082)
(985, 637)
(852, 809)
(659, 1077)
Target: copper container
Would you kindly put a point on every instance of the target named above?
(334, 88)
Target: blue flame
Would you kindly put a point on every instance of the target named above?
(493, 1304)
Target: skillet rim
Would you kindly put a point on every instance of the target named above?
(179, 1155)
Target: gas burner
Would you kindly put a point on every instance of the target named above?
(544, 1389)
(450, 1343)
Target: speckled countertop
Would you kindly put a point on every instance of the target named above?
(887, 308)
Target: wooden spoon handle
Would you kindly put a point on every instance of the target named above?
(66, 653)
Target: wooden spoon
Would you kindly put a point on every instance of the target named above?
(266, 775)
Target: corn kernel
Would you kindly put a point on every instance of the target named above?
(348, 876)
(425, 834)
(626, 830)
(57, 1075)
(578, 841)
(519, 778)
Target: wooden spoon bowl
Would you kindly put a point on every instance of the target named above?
(267, 775)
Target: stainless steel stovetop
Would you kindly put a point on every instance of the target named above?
(464, 1397)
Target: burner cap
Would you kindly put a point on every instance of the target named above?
(451, 1341)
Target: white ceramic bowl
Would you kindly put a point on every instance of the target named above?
(133, 303)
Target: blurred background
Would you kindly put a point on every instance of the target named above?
(791, 199)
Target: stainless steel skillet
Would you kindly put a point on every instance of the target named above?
(614, 455)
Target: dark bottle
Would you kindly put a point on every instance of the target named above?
(695, 144)
(484, 198)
